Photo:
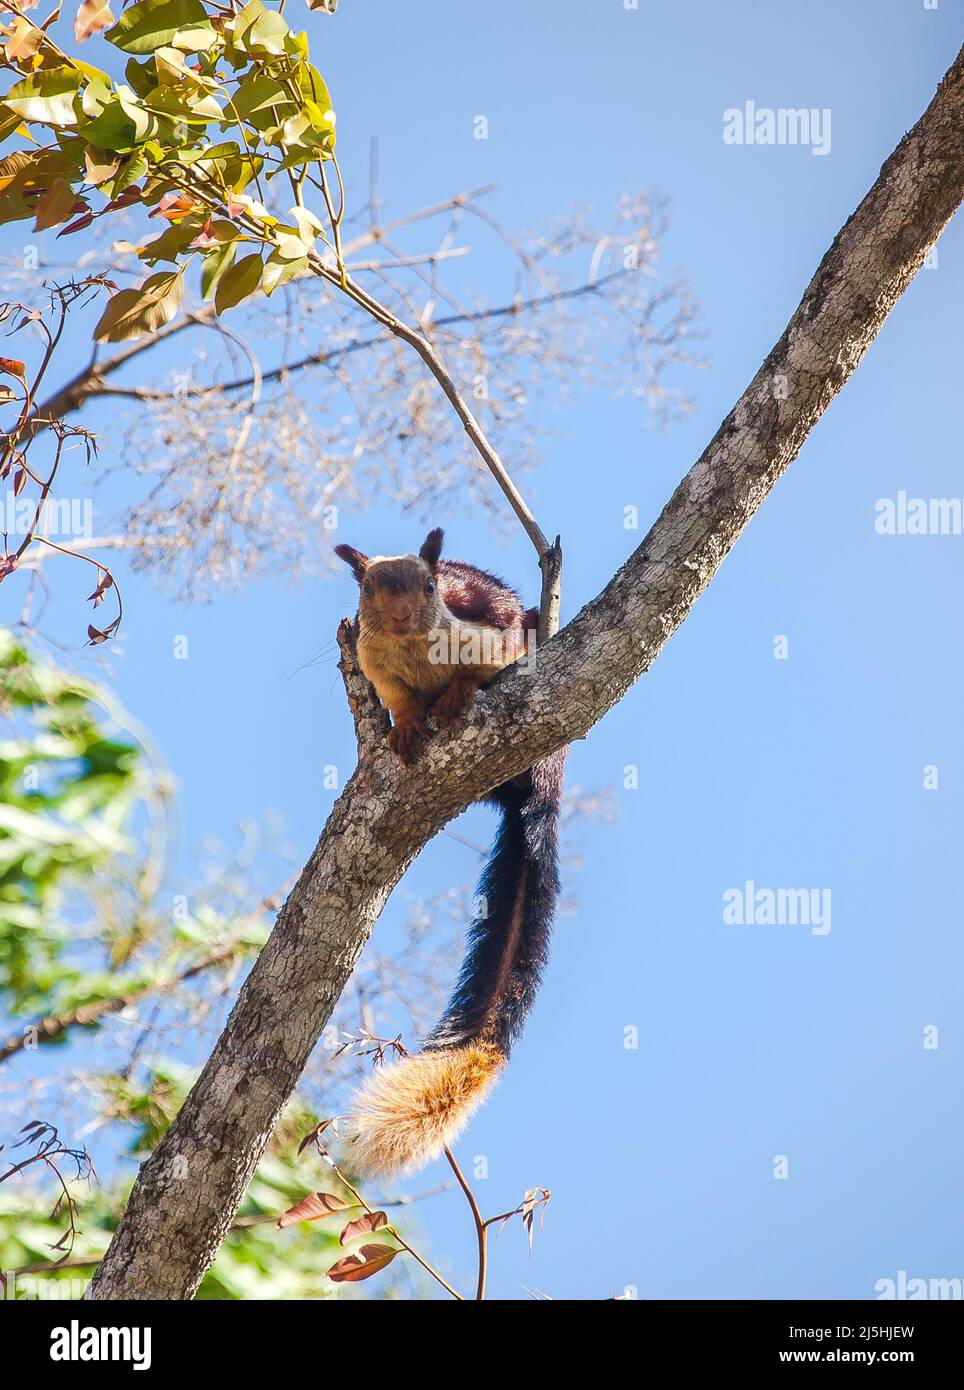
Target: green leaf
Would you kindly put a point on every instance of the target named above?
(267, 34)
(172, 242)
(314, 88)
(144, 123)
(95, 96)
(152, 24)
(238, 283)
(196, 39)
(309, 226)
(46, 97)
(184, 104)
(259, 93)
(113, 128)
(252, 11)
(280, 269)
(9, 120)
(142, 77)
(134, 169)
(206, 152)
(132, 313)
(216, 262)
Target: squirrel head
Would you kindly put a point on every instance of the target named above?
(399, 593)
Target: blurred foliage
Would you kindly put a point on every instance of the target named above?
(256, 1260)
(68, 794)
(80, 920)
(71, 793)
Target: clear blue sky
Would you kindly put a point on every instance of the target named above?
(753, 1041)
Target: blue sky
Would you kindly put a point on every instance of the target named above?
(753, 1041)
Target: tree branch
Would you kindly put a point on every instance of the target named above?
(90, 380)
(188, 1192)
(513, 309)
(52, 1027)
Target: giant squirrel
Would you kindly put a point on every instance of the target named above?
(429, 633)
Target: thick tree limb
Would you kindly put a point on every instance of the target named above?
(188, 1192)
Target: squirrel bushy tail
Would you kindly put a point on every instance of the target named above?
(407, 1113)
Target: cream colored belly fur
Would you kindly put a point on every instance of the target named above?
(413, 662)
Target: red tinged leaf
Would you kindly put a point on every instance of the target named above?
(12, 367)
(91, 18)
(77, 226)
(98, 595)
(174, 206)
(124, 200)
(364, 1225)
(312, 1208)
(95, 635)
(56, 205)
(19, 481)
(316, 1133)
(352, 1269)
(204, 238)
(8, 563)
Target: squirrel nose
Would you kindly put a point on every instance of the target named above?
(400, 609)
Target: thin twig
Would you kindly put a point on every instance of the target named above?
(481, 1227)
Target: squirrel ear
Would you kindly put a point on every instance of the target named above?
(357, 562)
(432, 547)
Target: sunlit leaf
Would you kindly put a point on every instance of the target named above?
(46, 97)
(132, 313)
(370, 1260)
(152, 24)
(24, 41)
(91, 18)
(100, 167)
(215, 264)
(364, 1225)
(238, 283)
(312, 1208)
(280, 269)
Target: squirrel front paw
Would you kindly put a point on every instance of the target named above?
(452, 703)
(405, 740)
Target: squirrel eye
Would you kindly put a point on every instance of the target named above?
(367, 588)
(430, 587)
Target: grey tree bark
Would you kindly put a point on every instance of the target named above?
(188, 1192)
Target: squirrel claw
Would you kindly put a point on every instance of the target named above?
(448, 709)
(405, 741)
